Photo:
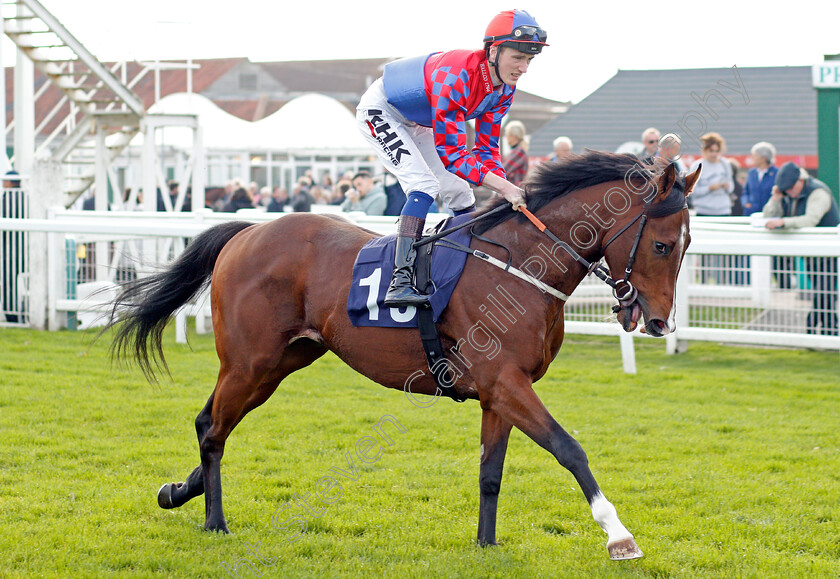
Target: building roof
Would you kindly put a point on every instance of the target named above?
(744, 105)
(208, 71)
(343, 80)
(335, 78)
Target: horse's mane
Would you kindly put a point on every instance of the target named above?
(554, 179)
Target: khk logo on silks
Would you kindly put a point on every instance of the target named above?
(382, 132)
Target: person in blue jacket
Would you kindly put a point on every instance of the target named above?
(760, 179)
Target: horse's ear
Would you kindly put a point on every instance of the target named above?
(691, 180)
(667, 180)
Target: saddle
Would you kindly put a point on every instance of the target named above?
(438, 268)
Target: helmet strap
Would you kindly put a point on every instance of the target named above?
(495, 63)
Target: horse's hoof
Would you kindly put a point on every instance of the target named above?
(217, 527)
(624, 550)
(164, 496)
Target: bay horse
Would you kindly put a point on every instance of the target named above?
(279, 293)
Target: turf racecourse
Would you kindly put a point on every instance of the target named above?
(724, 462)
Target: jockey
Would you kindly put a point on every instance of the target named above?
(415, 118)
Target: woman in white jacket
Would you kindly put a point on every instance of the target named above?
(712, 192)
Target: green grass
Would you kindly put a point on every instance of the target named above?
(723, 317)
(723, 461)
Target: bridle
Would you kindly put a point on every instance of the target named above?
(623, 291)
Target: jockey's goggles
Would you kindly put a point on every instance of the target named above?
(524, 33)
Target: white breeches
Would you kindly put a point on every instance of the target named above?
(408, 151)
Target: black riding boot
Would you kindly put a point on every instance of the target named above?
(401, 292)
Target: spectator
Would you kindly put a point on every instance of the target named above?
(650, 141)
(516, 161)
(562, 148)
(212, 197)
(173, 187)
(365, 196)
(670, 150)
(265, 197)
(711, 195)
(327, 183)
(340, 192)
(318, 195)
(241, 199)
(224, 199)
(760, 179)
(279, 198)
(658, 150)
(301, 199)
(799, 200)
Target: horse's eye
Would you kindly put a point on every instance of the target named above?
(661, 248)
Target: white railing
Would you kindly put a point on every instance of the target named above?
(739, 284)
(14, 260)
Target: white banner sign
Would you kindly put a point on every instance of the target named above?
(826, 75)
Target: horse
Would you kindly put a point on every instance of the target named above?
(277, 310)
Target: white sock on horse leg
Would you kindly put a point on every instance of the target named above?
(605, 515)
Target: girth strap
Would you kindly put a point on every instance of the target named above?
(428, 329)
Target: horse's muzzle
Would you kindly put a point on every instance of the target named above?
(629, 316)
(656, 328)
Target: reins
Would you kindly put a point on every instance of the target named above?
(446, 232)
(623, 291)
(507, 267)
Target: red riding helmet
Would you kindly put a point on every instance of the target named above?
(517, 29)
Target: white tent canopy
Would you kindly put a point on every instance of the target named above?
(312, 123)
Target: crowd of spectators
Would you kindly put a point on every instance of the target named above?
(358, 191)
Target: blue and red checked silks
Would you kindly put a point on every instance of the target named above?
(456, 87)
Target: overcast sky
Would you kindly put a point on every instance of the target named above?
(590, 40)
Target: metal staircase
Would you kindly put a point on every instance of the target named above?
(95, 101)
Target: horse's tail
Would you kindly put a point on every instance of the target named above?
(144, 306)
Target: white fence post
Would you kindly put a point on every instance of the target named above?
(628, 352)
(199, 172)
(761, 275)
(181, 327)
(45, 191)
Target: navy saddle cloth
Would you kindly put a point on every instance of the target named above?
(372, 275)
